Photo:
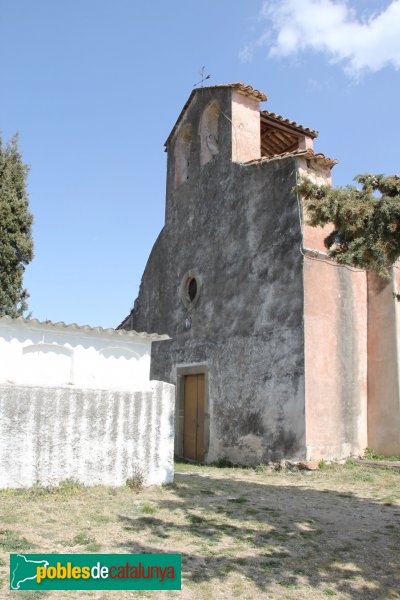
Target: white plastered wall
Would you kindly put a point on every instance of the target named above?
(41, 354)
(77, 402)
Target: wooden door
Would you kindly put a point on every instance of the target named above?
(193, 416)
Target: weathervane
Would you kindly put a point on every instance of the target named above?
(203, 79)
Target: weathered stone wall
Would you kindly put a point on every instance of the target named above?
(237, 228)
(96, 436)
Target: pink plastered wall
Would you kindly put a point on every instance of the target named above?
(335, 329)
(383, 364)
(313, 237)
(335, 332)
(246, 132)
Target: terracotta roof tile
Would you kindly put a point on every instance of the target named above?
(248, 90)
(320, 156)
(331, 162)
(270, 116)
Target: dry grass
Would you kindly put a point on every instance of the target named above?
(243, 533)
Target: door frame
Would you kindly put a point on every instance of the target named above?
(181, 371)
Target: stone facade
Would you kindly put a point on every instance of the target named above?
(246, 292)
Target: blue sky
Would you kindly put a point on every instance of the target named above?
(94, 87)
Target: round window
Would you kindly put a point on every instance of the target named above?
(190, 289)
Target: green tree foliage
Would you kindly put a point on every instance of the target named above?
(16, 245)
(366, 220)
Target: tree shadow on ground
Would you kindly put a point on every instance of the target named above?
(287, 535)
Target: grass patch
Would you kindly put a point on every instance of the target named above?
(101, 518)
(32, 595)
(362, 475)
(148, 509)
(136, 481)
(311, 533)
(65, 489)
(207, 492)
(93, 547)
(240, 500)
(10, 519)
(262, 469)
(389, 501)
(223, 463)
(252, 511)
(277, 535)
(196, 520)
(82, 539)
(372, 455)
(241, 534)
(11, 541)
(272, 511)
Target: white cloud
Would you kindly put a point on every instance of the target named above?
(245, 54)
(332, 27)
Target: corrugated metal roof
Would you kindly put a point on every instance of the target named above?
(61, 326)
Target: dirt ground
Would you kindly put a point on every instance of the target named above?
(242, 533)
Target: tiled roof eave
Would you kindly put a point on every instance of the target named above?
(331, 162)
(73, 327)
(274, 118)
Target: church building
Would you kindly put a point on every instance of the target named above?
(276, 351)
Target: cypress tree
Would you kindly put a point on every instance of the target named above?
(16, 245)
(366, 220)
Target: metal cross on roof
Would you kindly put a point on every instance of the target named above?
(203, 79)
